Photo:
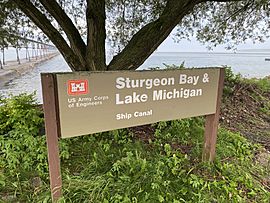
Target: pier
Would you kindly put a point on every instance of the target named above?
(17, 60)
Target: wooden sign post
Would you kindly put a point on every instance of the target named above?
(211, 125)
(126, 99)
(50, 107)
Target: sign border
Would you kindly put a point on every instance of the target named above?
(53, 131)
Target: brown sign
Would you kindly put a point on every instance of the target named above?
(95, 102)
(86, 102)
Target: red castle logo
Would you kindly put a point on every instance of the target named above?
(77, 87)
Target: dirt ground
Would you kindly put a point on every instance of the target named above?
(247, 110)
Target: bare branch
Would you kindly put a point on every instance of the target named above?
(73, 35)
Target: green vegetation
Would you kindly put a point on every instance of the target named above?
(263, 84)
(23, 148)
(154, 163)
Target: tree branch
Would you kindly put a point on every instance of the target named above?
(96, 34)
(146, 40)
(240, 10)
(73, 35)
(44, 24)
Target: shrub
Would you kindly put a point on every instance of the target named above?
(23, 155)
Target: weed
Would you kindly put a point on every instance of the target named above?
(23, 150)
(115, 167)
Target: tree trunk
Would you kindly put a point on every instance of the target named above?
(96, 35)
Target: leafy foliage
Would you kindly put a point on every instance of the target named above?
(80, 29)
(229, 23)
(126, 18)
(127, 170)
(213, 23)
(14, 25)
(263, 83)
(116, 166)
(23, 154)
(231, 80)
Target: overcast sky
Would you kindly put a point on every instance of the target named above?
(194, 46)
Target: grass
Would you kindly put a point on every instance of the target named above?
(116, 167)
(127, 170)
(263, 84)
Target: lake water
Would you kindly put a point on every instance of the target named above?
(248, 64)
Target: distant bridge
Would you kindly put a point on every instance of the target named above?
(24, 48)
